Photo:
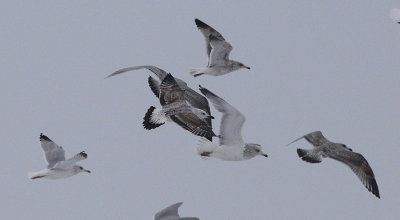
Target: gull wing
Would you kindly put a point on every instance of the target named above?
(192, 97)
(194, 124)
(171, 212)
(52, 152)
(232, 120)
(208, 32)
(220, 51)
(315, 138)
(359, 165)
(67, 164)
(170, 91)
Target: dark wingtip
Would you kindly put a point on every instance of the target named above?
(146, 120)
(301, 152)
(83, 154)
(44, 137)
(200, 24)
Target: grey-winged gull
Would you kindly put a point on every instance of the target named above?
(340, 152)
(231, 145)
(58, 167)
(218, 50)
(171, 213)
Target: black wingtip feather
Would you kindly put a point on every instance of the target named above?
(44, 137)
(200, 24)
(83, 154)
(147, 124)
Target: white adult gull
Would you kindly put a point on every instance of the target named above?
(171, 213)
(340, 152)
(231, 145)
(192, 97)
(218, 50)
(58, 167)
(395, 14)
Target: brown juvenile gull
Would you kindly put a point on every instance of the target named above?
(58, 167)
(201, 126)
(171, 213)
(340, 152)
(218, 50)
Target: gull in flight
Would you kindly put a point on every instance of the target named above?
(218, 53)
(175, 106)
(171, 213)
(58, 167)
(190, 122)
(395, 14)
(231, 145)
(340, 152)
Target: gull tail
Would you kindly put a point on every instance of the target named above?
(205, 148)
(37, 175)
(154, 118)
(309, 156)
(197, 71)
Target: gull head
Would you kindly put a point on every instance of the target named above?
(201, 114)
(251, 150)
(238, 65)
(79, 169)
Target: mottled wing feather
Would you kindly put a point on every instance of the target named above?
(360, 167)
(170, 91)
(193, 124)
(154, 86)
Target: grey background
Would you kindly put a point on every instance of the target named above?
(316, 65)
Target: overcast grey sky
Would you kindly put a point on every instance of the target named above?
(315, 65)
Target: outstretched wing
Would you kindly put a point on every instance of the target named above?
(154, 86)
(232, 120)
(171, 212)
(315, 138)
(170, 91)
(159, 72)
(194, 124)
(192, 97)
(360, 167)
(220, 51)
(208, 32)
(52, 152)
(67, 164)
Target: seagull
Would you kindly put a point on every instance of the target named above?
(218, 53)
(395, 14)
(190, 122)
(174, 106)
(58, 167)
(171, 213)
(340, 152)
(231, 145)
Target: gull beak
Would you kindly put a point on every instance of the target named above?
(212, 117)
(88, 171)
(265, 155)
(247, 67)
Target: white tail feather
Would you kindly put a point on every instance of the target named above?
(33, 175)
(198, 71)
(158, 116)
(204, 145)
